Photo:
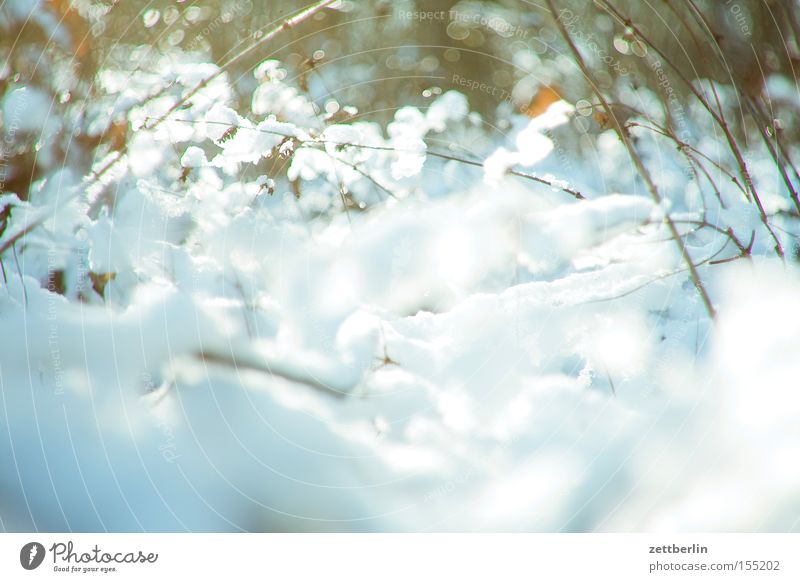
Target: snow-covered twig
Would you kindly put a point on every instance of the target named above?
(441, 155)
(287, 24)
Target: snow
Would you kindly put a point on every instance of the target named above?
(193, 157)
(374, 340)
(410, 156)
(218, 120)
(450, 107)
(532, 145)
(250, 143)
(498, 164)
(486, 422)
(145, 155)
(25, 109)
(556, 115)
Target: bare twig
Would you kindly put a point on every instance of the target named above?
(10, 242)
(762, 123)
(231, 360)
(688, 146)
(750, 191)
(690, 153)
(714, 40)
(637, 160)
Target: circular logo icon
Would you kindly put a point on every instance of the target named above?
(31, 555)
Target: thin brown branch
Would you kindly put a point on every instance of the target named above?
(10, 242)
(751, 192)
(762, 122)
(231, 360)
(636, 158)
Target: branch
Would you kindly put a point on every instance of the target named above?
(285, 25)
(10, 242)
(637, 160)
(750, 192)
(232, 361)
(310, 143)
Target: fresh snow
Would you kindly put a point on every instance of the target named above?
(448, 348)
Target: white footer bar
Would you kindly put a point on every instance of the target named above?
(400, 557)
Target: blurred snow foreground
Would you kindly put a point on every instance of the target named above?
(488, 359)
(491, 411)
